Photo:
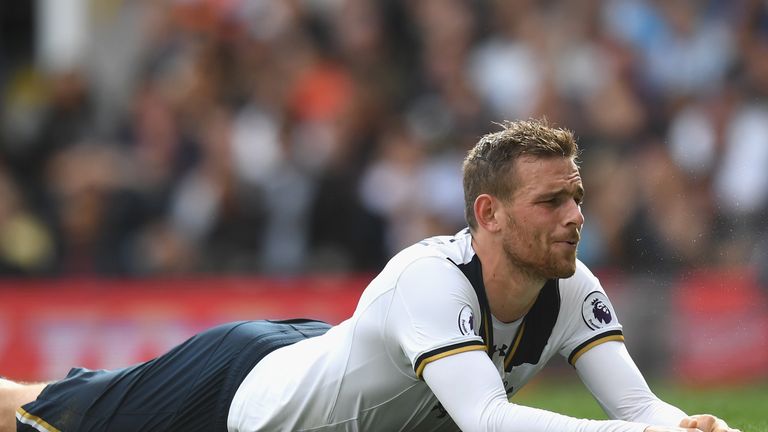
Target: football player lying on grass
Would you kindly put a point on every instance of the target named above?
(440, 339)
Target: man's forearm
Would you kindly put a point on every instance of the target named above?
(617, 384)
(476, 400)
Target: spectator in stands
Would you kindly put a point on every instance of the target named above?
(300, 98)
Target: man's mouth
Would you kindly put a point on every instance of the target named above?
(571, 241)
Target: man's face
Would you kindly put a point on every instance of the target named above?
(544, 217)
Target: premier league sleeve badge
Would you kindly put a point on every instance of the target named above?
(596, 310)
(467, 321)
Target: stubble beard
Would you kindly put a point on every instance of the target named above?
(546, 267)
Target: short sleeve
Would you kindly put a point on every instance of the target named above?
(434, 313)
(590, 317)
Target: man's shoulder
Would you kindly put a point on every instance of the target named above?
(583, 295)
(583, 282)
(582, 276)
(428, 259)
(454, 248)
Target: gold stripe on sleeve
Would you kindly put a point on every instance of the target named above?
(442, 353)
(34, 421)
(588, 345)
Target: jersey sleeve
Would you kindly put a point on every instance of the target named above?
(482, 404)
(434, 313)
(590, 317)
(619, 387)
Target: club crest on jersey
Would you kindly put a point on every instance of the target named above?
(466, 321)
(596, 310)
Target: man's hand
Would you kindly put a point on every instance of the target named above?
(706, 423)
(670, 429)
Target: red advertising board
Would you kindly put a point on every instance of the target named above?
(720, 322)
(46, 327)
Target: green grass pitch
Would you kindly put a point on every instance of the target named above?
(744, 406)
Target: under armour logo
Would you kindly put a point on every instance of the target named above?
(501, 350)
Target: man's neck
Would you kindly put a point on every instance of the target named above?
(511, 291)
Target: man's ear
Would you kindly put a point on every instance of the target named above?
(487, 212)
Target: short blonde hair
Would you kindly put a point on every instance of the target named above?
(488, 166)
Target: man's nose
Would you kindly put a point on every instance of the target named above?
(574, 216)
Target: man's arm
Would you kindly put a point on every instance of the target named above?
(614, 380)
(470, 389)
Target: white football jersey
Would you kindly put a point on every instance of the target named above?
(429, 302)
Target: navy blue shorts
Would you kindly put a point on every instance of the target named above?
(187, 389)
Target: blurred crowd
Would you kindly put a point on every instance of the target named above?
(293, 136)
